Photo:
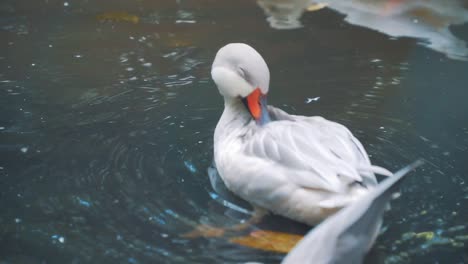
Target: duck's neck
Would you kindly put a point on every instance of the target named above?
(235, 112)
(234, 120)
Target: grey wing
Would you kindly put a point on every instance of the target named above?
(346, 236)
(278, 114)
(341, 143)
(365, 218)
(313, 152)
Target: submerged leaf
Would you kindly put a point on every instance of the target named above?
(268, 240)
(428, 235)
(118, 17)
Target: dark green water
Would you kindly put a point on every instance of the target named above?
(106, 126)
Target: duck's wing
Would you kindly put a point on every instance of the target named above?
(354, 150)
(312, 152)
(357, 150)
(346, 236)
(278, 114)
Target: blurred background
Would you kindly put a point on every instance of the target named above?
(107, 112)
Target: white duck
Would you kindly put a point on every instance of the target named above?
(304, 168)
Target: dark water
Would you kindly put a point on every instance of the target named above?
(106, 126)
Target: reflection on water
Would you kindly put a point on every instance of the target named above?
(107, 115)
(428, 21)
(284, 14)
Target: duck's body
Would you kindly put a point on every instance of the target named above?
(304, 168)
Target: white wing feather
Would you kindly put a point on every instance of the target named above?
(315, 152)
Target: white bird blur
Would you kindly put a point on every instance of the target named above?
(303, 168)
(348, 235)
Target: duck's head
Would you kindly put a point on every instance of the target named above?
(241, 74)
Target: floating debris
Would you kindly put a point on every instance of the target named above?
(428, 235)
(429, 239)
(309, 100)
(118, 17)
(24, 149)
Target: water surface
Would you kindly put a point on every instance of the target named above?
(108, 111)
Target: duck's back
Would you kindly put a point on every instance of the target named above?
(304, 168)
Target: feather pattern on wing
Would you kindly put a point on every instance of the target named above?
(304, 167)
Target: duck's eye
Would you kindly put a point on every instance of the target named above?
(245, 75)
(241, 72)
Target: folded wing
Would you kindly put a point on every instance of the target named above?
(313, 152)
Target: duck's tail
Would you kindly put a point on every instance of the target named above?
(376, 169)
(346, 236)
(342, 200)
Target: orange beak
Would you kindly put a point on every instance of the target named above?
(253, 104)
(256, 104)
